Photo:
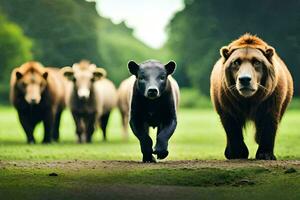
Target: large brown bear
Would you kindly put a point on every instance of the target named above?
(250, 82)
(37, 93)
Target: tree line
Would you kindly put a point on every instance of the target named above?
(61, 32)
(198, 32)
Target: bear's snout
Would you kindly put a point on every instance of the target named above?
(152, 92)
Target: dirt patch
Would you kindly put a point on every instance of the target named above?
(185, 164)
(188, 179)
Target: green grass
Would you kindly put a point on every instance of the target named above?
(199, 135)
(195, 169)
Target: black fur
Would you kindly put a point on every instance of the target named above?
(103, 121)
(84, 112)
(31, 115)
(155, 112)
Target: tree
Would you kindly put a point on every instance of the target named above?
(203, 27)
(15, 49)
(64, 31)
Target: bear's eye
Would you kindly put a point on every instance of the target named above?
(142, 78)
(43, 85)
(237, 62)
(256, 63)
(162, 77)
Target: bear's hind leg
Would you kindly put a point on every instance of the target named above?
(78, 119)
(103, 123)
(55, 134)
(125, 119)
(48, 127)
(89, 122)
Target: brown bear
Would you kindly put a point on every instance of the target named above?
(37, 93)
(250, 82)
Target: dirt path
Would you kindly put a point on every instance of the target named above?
(224, 164)
(188, 179)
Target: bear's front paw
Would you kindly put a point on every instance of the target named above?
(55, 140)
(161, 149)
(161, 154)
(240, 152)
(148, 159)
(46, 141)
(30, 141)
(265, 156)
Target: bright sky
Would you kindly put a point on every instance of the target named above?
(148, 18)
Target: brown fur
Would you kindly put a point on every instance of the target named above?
(124, 101)
(48, 91)
(97, 106)
(265, 107)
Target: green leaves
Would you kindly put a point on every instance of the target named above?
(198, 32)
(15, 48)
(63, 32)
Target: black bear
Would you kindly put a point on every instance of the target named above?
(154, 97)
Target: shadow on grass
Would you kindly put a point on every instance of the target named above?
(203, 177)
(65, 142)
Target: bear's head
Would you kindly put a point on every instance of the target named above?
(152, 77)
(31, 80)
(248, 66)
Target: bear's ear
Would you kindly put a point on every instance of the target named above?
(45, 75)
(68, 72)
(133, 67)
(19, 75)
(170, 67)
(224, 52)
(269, 53)
(92, 66)
(99, 73)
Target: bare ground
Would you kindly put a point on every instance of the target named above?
(79, 164)
(88, 188)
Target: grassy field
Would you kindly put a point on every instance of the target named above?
(195, 168)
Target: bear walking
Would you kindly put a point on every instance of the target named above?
(153, 97)
(250, 82)
(38, 93)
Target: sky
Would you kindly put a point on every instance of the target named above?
(148, 18)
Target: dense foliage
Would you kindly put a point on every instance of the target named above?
(117, 46)
(203, 27)
(61, 32)
(66, 31)
(15, 48)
